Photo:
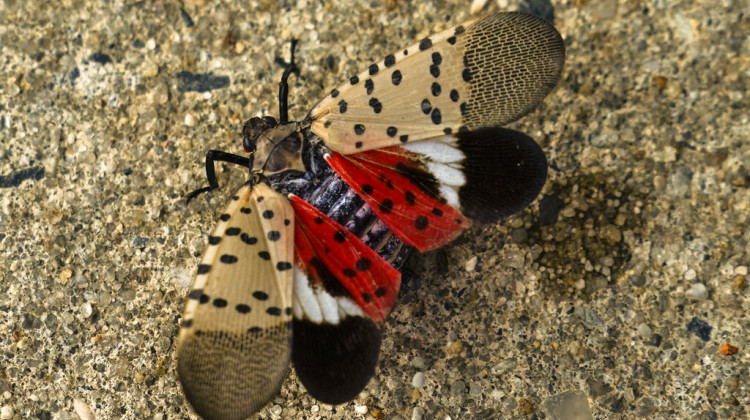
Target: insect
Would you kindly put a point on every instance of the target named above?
(303, 264)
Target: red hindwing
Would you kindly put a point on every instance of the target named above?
(403, 194)
(341, 262)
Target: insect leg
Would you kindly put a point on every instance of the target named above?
(211, 157)
(284, 87)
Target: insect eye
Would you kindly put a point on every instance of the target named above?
(253, 128)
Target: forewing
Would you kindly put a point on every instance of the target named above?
(485, 72)
(343, 290)
(427, 192)
(233, 348)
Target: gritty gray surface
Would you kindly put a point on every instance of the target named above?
(609, 299)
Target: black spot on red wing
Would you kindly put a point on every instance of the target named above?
(264, 255)
(373, 69)
(454, 95)
(425, 44)
(228, 259)
(421, 222)
(246, 210)
(437, 212)
(195, 294)
(458, 221)
(242, 308)
(367, 189)
(359, 129)
(268, 214)
(389, 184)
(410, 198)
(452, 40)
(363, 264)
(386, 206)
(404, 138)
(339, 236)
(396, 77)
(283, 265)
(366, 297)
(390, 60)
(354, 80)
(214, 240)
(435, 89)
(233, 231)
(349, 272)
(391, 131)
(224, 217)
(342, 106)
(435, 70)
(273, 311)
(274, 235)
(381, 291)
(220, 303)
(435, 116)
(250, 240)
(319, 220)
(260, 295)
(369, 86)
(426, 106)
(334, 93)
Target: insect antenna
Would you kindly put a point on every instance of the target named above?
(211, 157)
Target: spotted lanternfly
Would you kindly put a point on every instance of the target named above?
(303, 263)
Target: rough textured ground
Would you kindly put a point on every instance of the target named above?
(610, 297)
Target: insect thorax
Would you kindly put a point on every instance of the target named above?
(292, 159)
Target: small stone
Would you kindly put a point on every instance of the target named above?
(571, 405)
(360, 409)
(6, 412)
(645, 331)
(689, 275)
(86, 310)
(455, 348)
(697, 292)
(475, 390)
(457, 388)
(418, 380)
(471, 264)
(417, 413)
(741, 270)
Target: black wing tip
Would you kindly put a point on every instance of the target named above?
(335, 362)
(505, 171)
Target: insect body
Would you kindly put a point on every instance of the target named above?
(303, 263)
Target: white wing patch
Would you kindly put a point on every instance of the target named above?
(233, 346)
(316, 305)
(485, 72)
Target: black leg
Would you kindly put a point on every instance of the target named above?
(284, 88)
(217, 156)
